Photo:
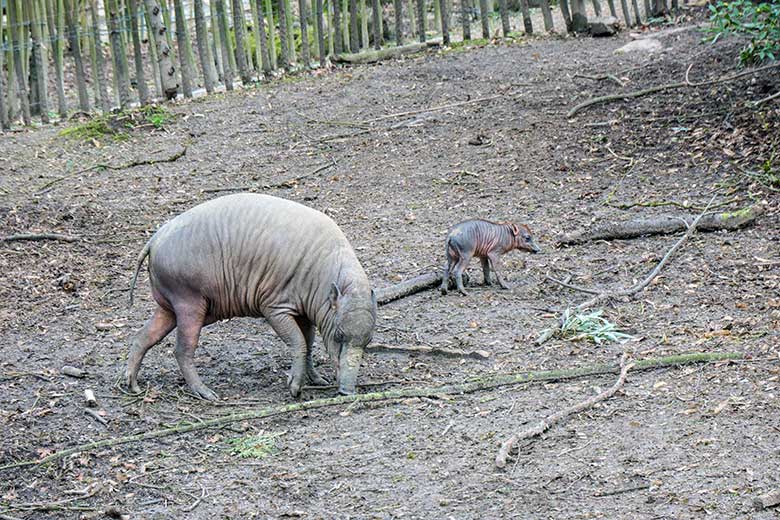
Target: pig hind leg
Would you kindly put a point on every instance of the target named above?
(445, 277)
(460, 267)
(287, 328)
(486, 270)
(307, 328)
(154, 331)
(190, 319)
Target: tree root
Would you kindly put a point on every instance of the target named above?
(660, 88)
(451, 389)
(547, 423)
(36, 237)
(664, 225)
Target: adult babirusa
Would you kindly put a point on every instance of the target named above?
(257, 255)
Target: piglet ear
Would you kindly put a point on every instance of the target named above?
(335, 296)
(515, 229)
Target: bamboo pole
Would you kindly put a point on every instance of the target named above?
(303, 12)
(225, 47)
(119, 56)
(14, 23)
(138, 59)
(170, 86)
(239, 31)
(187, 68)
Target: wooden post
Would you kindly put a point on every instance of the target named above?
(597, 7)
(579, 17)
(566, 13)
(626, 12)
(156, 71)
(612, 11)
(637, 18)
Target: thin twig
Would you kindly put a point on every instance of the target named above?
(36, 237)
(768, 98)
(547, 423)
(602, 77)
(436, 109)
(570, 286)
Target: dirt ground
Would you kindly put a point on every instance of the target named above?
(675, 443)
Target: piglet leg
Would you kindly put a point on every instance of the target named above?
(189, 322)
(493, 260)
(287, 328)
(308, 329)
(460, 267)
(486, 270)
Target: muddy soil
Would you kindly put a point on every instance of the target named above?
(674, 443)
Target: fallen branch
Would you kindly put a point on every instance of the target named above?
(433, 351)
(417, 284)
(664, 225)
(107, 166)
(547, 423)
(435, 109)
(602, 77)
(373, 56)
(607, 295)
(36, 237)
(289, 183)
(668, 86)
(663, 203)
(451, 389)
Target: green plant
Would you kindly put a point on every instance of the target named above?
(593, 327)
(759, 21)
(156, 115)
(254, 446)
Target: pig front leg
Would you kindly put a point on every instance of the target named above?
(288, 330)
(308, 330)
(493, 261)
(486, 270)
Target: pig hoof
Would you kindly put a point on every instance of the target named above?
(464, 293)
(295, 389)
(443, 291)
(317, 380)
(203, 392)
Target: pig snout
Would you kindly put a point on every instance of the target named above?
(349, 364)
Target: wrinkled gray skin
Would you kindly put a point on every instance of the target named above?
(257, 255)
(487, 241)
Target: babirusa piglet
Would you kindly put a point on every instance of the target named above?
(487, 241)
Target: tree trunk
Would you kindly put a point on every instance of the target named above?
(290, 33)
(215, 34)
(660, 9)
(483, 13)
(269, 15)
(612, 10)
(648, 9)
(204, 50)
(16, 45)
(445, 21)
(75, 47)
(637, 17)
(41, 62)
(345, 24)
(320, 34)
(225, 47)
(284, 46)
(566, 14)
(626, 12)
(398, 7)
(167, 70)
(118, 52)
(55, 42)
(337, 36)
(504, 12)
(579, 17)
(99, 72)
(265, 57)
(411, 9)
(548, 19)
(303, 9)
(354, 35)
(156, 71)
(527, 25)
(239, 30)
(363, 16)
(5, 124)
(421, 19)
(597, 7)
(187, 68)
(465, 19)
(376, 8)
(140, 74)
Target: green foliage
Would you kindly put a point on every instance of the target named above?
(119, 125)
(591, 327)
(758, 21)
(254, 446)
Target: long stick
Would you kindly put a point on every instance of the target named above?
(452, 389)
(547, 423)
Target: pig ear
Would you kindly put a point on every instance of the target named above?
(515, 229)
(335, 295)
